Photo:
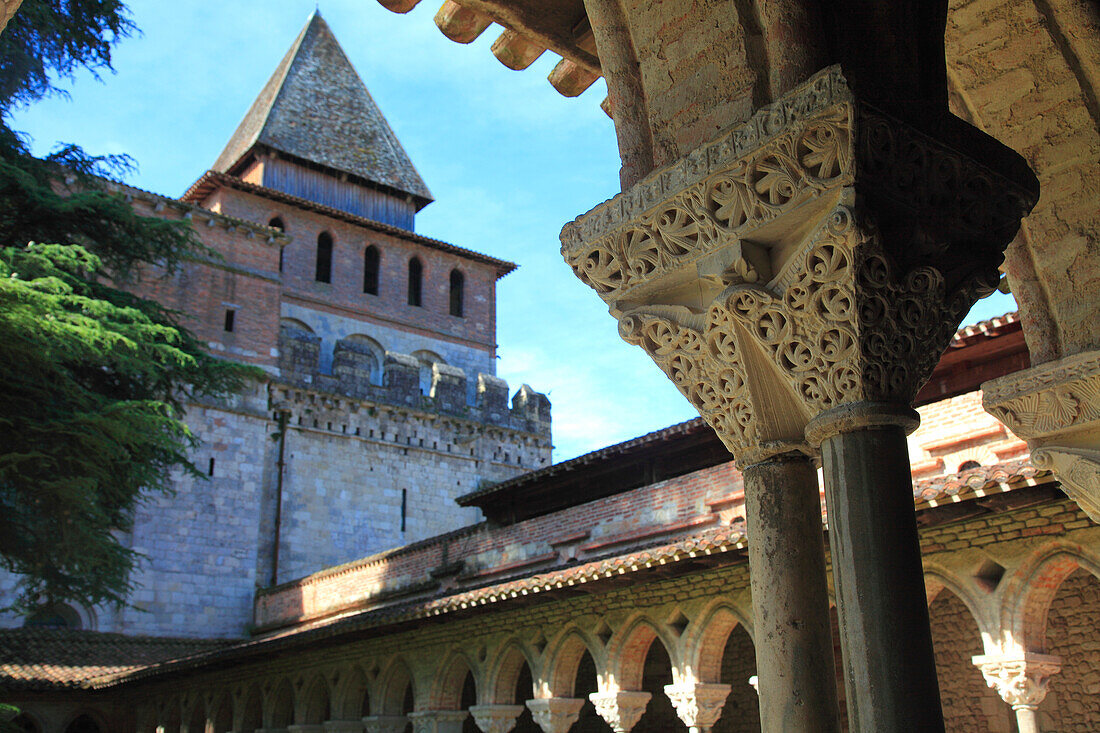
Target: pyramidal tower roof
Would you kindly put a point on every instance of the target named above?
(316, 108)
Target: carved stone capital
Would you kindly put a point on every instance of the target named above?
(819, 256)
(385, 723)
(1020, 680)
(698, 705)
(1055, 407)
(343, 726)
(496, 718)
(622, 709)
(555, 714)
(437, 721)
(754, 681)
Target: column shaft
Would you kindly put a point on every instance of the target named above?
(794, 649)
(1027, 721)
(889, 665)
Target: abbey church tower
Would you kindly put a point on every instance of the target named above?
(381, 404)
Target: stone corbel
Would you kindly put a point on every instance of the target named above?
(1055, 407)
(496, 718)
(698, 705)
(1020, 679)
(385, 723)
(438, 721)
(555, 714)
(621, 710)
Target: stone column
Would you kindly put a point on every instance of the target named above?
(343, 726)
(496, 718)
(790, 599)
(7, 10)
(555, 714)
(877, 570)
(621, 709)
(699, 705)
(437, 721)
(306, 728)
(1021, 681)
(817, 259)
(385, 723)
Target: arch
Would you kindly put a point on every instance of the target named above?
(351, 698)
(416, 282)
(427, 359)
(394, 684)
(252, 711)
(196, 718)
(938, 578)
(449, 680)
(372, 261)
(88, 722)
(27, 723)
(1033, 586)
(705, 641)
(366, 346)
(314, 706)
(627, 652)
(559, 675)
(279, 706)
(221, 713)
(323, 265)
(458, 285)
(1071, 703)
(504, 672)
(276, 222)
(55, 616)
(295, 325)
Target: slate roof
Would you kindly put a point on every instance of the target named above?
(63, 658)
(316, 108)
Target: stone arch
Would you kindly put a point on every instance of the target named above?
(426, 359)
(446, 693)
(559, 672)
(957, 637)
(296, 325)
(705, 641)
(195, 716)
(169, 715)
(1032, 588)
(1071, 702)
(938, 579)
(89, 721)
(627, 652)
(314, 705)
(358, 350)
(503, 674)
(391, 688)
(221, 713)
(351, 699)
(279, 705)
(251, 714)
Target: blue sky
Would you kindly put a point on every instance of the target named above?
(508, 159)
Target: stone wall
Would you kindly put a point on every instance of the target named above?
(1073, 703)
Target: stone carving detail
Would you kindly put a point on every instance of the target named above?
(437, 721)
(555, 714)
(698, 705)
(1056, 408)
(1021, 681)
(496, 718)
(621, 710)
(385, 723)
(343, 726)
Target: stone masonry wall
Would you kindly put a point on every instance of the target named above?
(1073, 703)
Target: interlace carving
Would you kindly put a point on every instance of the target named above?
(698, 705)
(1022, 681)
(621, 710)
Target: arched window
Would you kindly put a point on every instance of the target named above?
(457, 282)
(324, 258)
(277, 223)
(416, 274)
(370, 270)
(54, 616)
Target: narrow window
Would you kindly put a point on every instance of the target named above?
(416, 273)
(404, 506)
(210, 470)
(457, 282)
(230, 318)
(324, 258)
(370, 270)
(277, 223)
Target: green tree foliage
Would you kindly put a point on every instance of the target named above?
(93, 377)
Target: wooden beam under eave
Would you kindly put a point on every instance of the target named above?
(515, 51)
(459, 23)
(398, 6)
(570, 79)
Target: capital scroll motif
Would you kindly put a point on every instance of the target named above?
(698, 705)
(621, 710)
(1021, 681)
(555, 714)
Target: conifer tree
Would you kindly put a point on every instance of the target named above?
(93, 377)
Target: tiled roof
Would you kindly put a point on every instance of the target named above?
(990, 328)
(315, 107)
(979, 481)
(211, 180)
(60, 658)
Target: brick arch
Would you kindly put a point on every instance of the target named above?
(351, 698)
(251, 713)
(502, 674)
(314, 705)
(559, 673)
(279, 705)
(194, 712)
(446, 690)
(1033, 586)
(627, 651)
(96, 717)
(938, 579)
(390, 689)
(705, 641)
(221, 712)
